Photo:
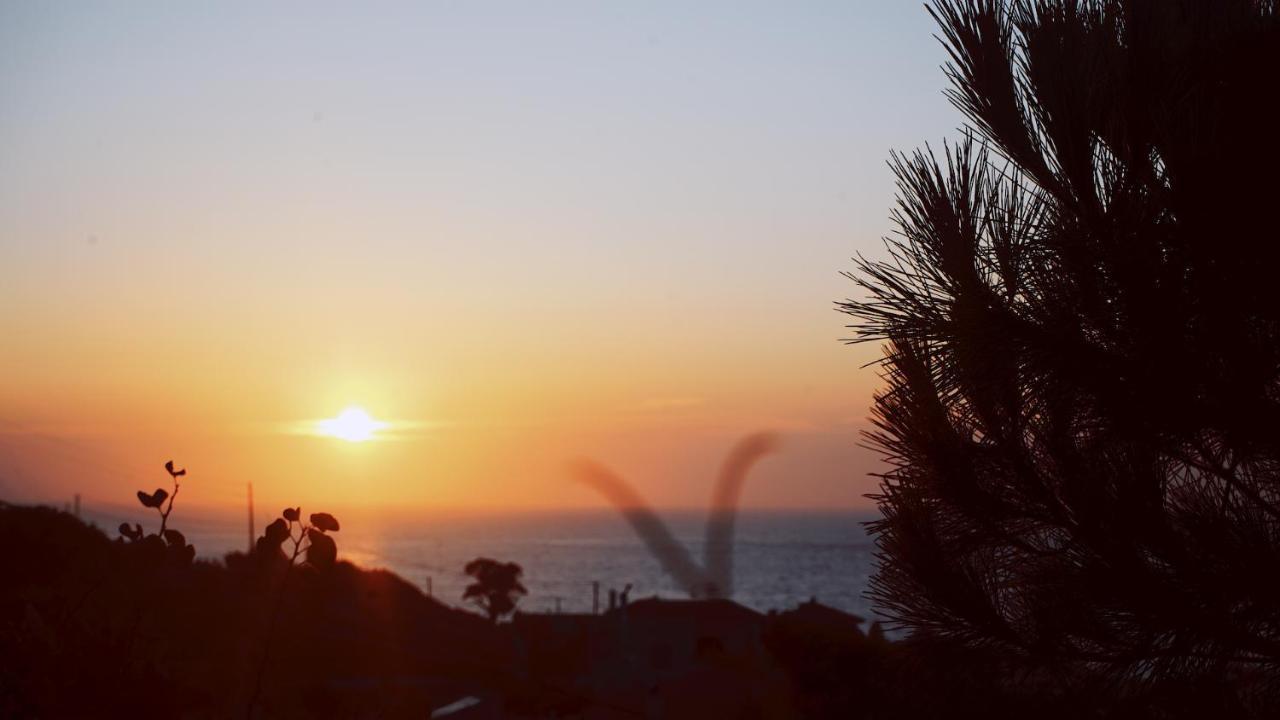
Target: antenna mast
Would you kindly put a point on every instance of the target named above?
(251, 533)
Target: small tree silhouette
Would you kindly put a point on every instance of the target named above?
(497, 587)
(1082, 418)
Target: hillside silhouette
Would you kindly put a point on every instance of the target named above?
(94, 628)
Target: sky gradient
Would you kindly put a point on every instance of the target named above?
(520, 232)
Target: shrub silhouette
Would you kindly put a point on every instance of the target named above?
(497, 586)
(1082, 417)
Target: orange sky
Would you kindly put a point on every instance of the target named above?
(521, 235)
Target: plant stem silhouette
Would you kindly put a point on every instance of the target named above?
(174, 474)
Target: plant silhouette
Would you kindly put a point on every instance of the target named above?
(167, 541)
(96, 626)
(321, 554)
(497, 587)
(1082, 418)
(714, 579)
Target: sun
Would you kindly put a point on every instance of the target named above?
(352, 424)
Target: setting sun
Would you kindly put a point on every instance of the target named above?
(352, 424)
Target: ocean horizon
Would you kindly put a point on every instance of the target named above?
(781, 557)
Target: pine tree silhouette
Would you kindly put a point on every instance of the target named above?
(1082, 412)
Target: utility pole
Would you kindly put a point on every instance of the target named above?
(429, 586)
(251, 533)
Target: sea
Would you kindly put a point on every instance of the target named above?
(780, 558)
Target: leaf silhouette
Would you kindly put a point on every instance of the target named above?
(292, 514)
(175, 538)
(273, 536)
(181, 554)
(277, 532)
(152, 548)
(153, 500)
(323, 551)
(324, 521)
(175, 473)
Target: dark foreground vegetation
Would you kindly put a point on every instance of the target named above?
(1082, 316)
(96, 627)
